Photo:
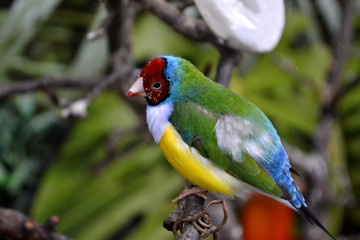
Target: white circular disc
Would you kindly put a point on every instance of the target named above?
(250, 25)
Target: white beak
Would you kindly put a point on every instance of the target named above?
(137, 89)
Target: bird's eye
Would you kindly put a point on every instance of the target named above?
(156, 85)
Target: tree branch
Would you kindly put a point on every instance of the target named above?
(341, 49)
(120, 42)
(319, 193)
(191, 28)
(192, 219)
(354, 82)
(188, 207)
(15, 225)
(228, 60)
(7, 90)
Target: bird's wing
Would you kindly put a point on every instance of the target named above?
(243, 137)
(198, 128)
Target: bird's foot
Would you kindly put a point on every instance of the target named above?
(190, 191)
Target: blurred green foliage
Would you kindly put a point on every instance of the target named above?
(132, 195)
(93, 206)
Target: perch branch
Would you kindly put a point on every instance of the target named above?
(192, 219)
(189, 206)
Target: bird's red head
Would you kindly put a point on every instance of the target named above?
(151, 83)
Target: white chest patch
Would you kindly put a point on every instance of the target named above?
(157, 118)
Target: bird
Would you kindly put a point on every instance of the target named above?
(216, 139)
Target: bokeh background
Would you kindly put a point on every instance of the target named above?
(103, 175)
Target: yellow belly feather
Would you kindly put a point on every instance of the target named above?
(191, 165)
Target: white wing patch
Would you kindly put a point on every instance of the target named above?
(157, 118)
(236, 135)
(253, 149)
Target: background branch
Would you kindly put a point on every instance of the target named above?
(10, 89)
(228, 60)
(342, 91)
(191, 28)
(319, 194)
(15, 225)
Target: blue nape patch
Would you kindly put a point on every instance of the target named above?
(172, 63)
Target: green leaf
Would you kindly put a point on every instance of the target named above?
(20, 26)
(92, 56)
(22, 172)
(3, 175)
